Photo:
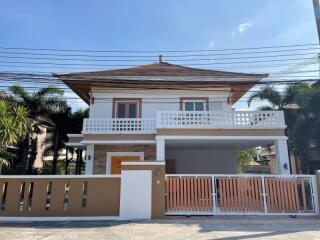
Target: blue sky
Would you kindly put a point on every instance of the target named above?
(155, 25)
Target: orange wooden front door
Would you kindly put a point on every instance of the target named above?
(116, 162)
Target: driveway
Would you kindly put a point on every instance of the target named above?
(223, 228)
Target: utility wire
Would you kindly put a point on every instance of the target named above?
(158, 51)
(134, 65)
(157, 56)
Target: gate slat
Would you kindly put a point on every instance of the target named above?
(167, 194)
(183, 195)
(294, 199)
(285, 194)
(278, 197)
(260, 196)
(203, 207)
(235, 194)
(188, 194)
(228, 194)
(175, 194)
(192, 194)
(179, 194)
(289, 183)
(303, 190)
(206, 194)
(196, 198)
(210, 194)
(296, 193)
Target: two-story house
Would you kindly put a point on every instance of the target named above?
(172, 113)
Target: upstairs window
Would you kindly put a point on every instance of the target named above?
(126, 108)
(194, 104)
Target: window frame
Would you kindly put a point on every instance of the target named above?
(204, 100)
(116, 101)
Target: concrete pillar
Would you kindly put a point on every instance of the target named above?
(160, 149)
(89, 160)
(283, 167)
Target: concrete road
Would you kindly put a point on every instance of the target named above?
(223, 228)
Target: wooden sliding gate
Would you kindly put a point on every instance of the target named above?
(241, 194)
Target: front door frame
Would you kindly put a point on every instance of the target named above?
(112, 154)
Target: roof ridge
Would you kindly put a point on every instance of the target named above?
(148, 67)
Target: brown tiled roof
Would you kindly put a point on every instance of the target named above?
(160, 76)
(162, 69)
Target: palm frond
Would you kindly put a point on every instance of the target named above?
(19, 92)
(50, 90)
(55, 103)
(22, 120)
(268, 94)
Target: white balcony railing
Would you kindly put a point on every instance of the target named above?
(119, 125)
(187, 120)
(221, 119)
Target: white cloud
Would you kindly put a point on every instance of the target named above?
(243, 27)
(211, 44)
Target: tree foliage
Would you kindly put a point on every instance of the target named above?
(14, 123)
(245, 158)
(39, 105)
(300, 103)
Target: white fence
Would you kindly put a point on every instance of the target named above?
(241, 195)
(119, 125)
(221, 119)
(187, 120)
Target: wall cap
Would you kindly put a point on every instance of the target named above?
(58, 176)
(145, 163)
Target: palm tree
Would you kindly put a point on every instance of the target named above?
(293, 101)
(39, 105)
(14, 123)
(63, 122)
(280, 100)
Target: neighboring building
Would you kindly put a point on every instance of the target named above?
(171, 113)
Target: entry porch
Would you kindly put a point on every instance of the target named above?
(216, 154)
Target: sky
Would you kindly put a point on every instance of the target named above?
(154, 25)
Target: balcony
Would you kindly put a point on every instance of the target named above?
(119, 126)
(221, 119)
(187, 120)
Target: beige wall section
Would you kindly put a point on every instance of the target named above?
(203, 161)
(117, 137)
(221, 132)
(102, 198)
(158, 188)
(100, 154)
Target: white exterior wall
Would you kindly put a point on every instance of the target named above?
(154, 100)
(202, 161)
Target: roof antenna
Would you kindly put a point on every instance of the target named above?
(160, 58)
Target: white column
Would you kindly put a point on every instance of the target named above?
(160, 149)
(89, 159)
(282, 157)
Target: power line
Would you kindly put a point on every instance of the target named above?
(105, 68)
(95, 77)
(157, 51)
(133, 65)
(156, 56)
(144, 60)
